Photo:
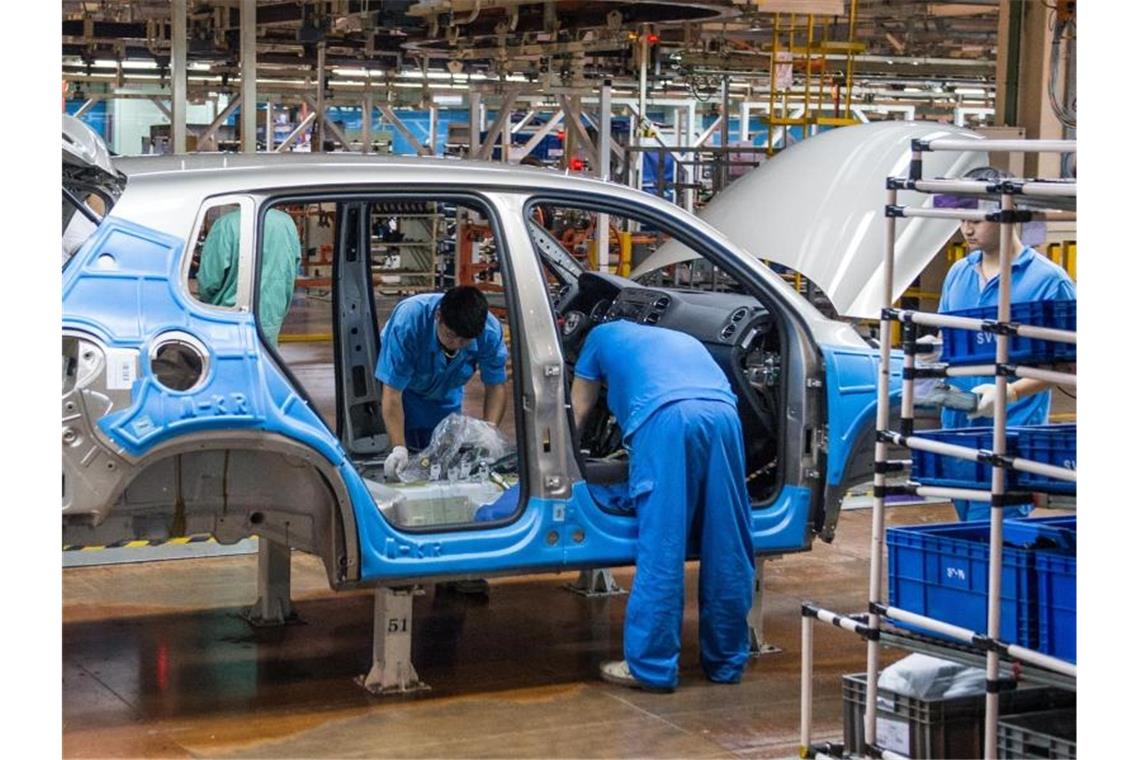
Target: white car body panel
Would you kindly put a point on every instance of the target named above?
(817, 208)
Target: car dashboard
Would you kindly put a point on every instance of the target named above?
(738, 331)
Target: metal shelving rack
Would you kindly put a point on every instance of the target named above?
(417, 253)
(970, 647)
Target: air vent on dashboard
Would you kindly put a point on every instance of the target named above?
(728, 331)
(661, 304)
(739, 314)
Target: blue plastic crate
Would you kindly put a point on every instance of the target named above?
(1048, 444)
(1056, 577)
(1064, 317)
(932, 469)
(941, 571)
(1054, 581)
(1057, 534)
(974, 347)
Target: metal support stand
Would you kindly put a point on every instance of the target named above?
(274, 580)
(756, 645)
(594, 583)
(392, 670)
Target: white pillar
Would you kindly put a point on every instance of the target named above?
(433, 128)
(248, 76)
(178, 76)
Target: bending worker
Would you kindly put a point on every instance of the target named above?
(678, 416)
(280, 258)
(973, 282)
(429, 349)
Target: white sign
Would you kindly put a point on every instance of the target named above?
(893, 735)
(120, 369)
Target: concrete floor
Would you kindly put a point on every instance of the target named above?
(157, 662)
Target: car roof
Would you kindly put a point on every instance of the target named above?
(329, 167)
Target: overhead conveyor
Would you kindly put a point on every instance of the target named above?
(956, 643)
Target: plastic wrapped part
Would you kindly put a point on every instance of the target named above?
(924, 677)
(459, 447)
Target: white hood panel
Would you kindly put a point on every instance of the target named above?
(817, 208)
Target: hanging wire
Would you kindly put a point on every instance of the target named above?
(1066, 112)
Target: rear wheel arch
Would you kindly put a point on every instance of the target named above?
(234, 485)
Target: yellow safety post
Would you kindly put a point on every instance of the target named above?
(625, 253)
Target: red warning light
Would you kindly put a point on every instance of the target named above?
(577, 164)
(652, 39)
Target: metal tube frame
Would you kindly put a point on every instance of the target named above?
(997, 494)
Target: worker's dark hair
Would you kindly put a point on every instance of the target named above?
(464, 310)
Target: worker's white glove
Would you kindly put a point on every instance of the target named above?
(396, 462)
(928, 348)
(987, 395)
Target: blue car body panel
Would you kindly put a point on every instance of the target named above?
(124, 288)
(852, 393)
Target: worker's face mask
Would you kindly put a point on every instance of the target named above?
(451, 341)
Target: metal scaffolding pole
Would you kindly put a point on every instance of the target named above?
(249, 76)
(643, 46)
(178, 76)
(366, 125)
(722, 169)
(269, 124)
(603, 227)
(878, 501)
(997, 515)
(476, 122)
(318, 141)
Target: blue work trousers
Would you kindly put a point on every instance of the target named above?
(687, 485)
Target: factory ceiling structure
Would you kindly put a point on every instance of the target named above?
(934, 50)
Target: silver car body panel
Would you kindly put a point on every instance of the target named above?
(83, 148)
(817, 208)
(167, 194)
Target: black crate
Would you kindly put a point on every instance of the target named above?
(937, 728)
(1050, 734)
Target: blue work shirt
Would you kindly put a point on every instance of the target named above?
(1034, 278)
(645, 368)
(412, 361)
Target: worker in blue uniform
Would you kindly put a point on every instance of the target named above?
(973, 282)
(429, 349)
(680, 424)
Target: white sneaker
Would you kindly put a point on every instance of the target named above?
(617, 671)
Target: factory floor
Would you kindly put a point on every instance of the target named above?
(157, 661)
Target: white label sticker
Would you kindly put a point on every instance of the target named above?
(120, 370)
(893, 735)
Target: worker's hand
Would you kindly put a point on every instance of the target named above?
(396, 462)
(987, 395)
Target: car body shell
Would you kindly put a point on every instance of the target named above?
(200, 457)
